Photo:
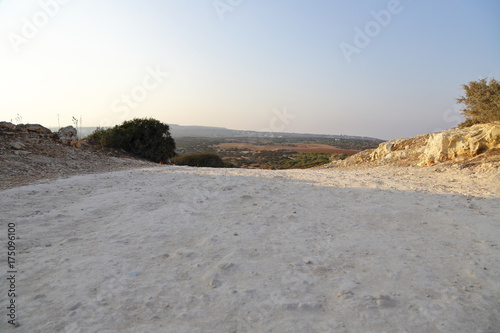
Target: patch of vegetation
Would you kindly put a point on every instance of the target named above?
(207, 160)
(147, 138)
(306, 160)
(481, 101)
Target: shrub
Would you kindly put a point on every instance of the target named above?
(147, 138)
(481, 101)
(208, 160)
(338, 157)
(98, 134)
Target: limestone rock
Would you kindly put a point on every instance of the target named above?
(400, 149)
(461, 143)
(68, 136)
(453, 145)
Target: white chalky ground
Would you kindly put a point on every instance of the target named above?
(178, 249)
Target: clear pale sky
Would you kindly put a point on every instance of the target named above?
(380, 68)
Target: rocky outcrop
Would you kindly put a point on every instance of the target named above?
(66, 135)
(453, 145)
(33, 128)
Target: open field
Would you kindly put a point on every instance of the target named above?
(292, 147)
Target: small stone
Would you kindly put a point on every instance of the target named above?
(345, 294)
(214, 283)
(22, 152)
(227, 266)
(384, 301)
(17, 145)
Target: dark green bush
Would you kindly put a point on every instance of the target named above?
(147, 138)
(209, 160)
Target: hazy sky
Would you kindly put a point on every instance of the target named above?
(375, 68)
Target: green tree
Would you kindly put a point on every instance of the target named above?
(481, 102)
(147, 138)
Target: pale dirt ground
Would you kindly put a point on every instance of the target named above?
(178, 249)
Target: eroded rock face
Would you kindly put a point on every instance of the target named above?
(461, 143)
(400, 149)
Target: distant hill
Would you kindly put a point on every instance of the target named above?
(179, 131)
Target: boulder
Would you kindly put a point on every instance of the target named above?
(68, 136)
(38, 129)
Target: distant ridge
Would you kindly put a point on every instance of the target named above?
(180, 131)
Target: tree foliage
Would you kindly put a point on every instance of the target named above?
(481, 102)
(147, 138)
